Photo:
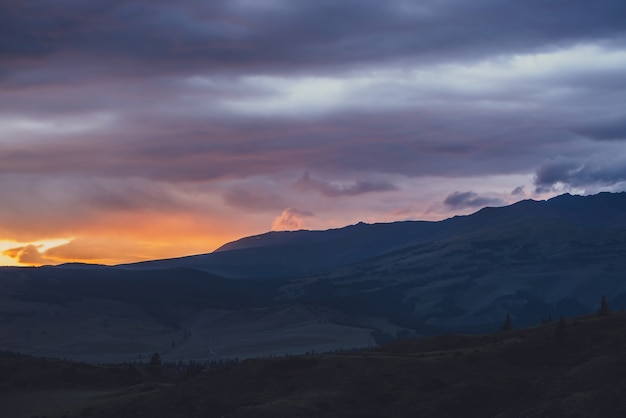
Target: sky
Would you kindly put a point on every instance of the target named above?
(135, 130)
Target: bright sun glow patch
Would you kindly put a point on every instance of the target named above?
(42, 246)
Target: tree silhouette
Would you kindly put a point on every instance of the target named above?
(604, 307)
(194, 368)
(561, 332)
(155, 360)
(507, 325)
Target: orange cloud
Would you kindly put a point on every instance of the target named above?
(291, 219)
(28, 254)
(13, 252)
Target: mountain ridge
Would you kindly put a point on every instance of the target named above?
(462, 275)
(303, 252)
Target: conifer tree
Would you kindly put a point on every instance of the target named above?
(604, 307)
(155, 360)
(561, 332)
(507, 325)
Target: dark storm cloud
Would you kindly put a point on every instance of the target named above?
(308, 183)
(592, 172)
(400, 143)
(605, 130)
(156, 135)
(157, 37)
(169, 149)
(462, 200)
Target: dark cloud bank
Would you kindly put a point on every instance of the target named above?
(158, 36)
(163, 105)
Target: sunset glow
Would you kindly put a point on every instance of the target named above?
(143, 130)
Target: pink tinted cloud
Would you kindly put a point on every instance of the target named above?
(291, 219)
(328, 189)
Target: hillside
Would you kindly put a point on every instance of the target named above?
(533, 372)
(462, 275)
(469, 282)
(298, 253)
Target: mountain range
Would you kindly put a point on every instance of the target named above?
(296, 253)
(298, 291)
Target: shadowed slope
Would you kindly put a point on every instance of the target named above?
(301, 253)
(524, 373)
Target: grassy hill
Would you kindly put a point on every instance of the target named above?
(521, 373)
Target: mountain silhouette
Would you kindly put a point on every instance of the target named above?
(293, 292)
(298, 253)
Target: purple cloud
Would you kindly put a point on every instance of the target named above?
(282, 36)
(589, 173)
(518, 191)
(462, 200)
(291, 219)
(308, 183)
(196, 112)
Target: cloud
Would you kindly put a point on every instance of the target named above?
(151, 121)
(97, 251)
(607, 130)
(280, 36)
(28, 254)
(247, 199)
(518, 191)
(291, 219)
(575, 173)
(462, 200)
(308, 183)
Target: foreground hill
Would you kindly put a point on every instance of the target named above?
(535, 372)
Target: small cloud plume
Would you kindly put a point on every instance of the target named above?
(518, 191)
(28, 254)
(13, 252)
(560, 170)
(462, 200)
(578, 174)
(291, 219)
(306, 183)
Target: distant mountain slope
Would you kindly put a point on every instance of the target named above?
(469, 282)
(106, 314)
(302, 253)
(322, 290)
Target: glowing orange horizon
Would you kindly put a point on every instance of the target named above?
(120, 238)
